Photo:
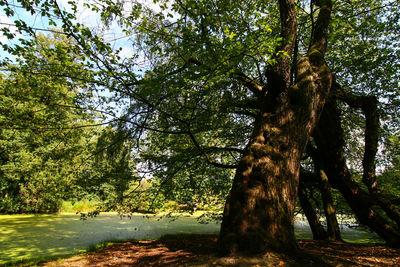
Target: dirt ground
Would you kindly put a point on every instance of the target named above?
(200, 250)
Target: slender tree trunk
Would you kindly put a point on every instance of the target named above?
(333, 231)
(320, 182)
(317, 229)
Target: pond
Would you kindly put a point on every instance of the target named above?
(32, 236)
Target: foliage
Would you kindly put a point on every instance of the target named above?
(83, 205)
(390, 177)
(109, 175)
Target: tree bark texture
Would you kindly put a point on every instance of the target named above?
(259, 212)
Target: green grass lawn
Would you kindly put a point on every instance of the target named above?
(33, 236)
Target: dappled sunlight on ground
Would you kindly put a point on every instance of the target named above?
(166, 252)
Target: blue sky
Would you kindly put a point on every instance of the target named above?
(41, 24)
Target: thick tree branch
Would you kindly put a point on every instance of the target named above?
(308, 177)
(368, 104)
(278, 74)
(293, 71)
(252, 85)
(312, 23)
(329, 137)
(320, 37)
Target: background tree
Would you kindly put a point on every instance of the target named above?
(389, 178)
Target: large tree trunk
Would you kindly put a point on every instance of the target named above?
(330, 143)
(259, 211)
(258, 214)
